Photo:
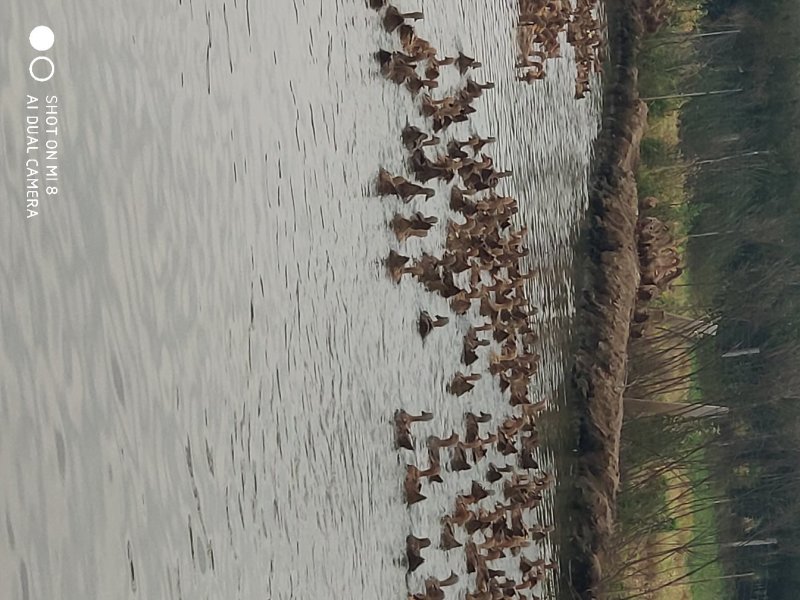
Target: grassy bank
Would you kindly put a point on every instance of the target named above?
(676, 558)
(726, 170)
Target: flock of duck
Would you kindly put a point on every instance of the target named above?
(541, 22)
(481, 268)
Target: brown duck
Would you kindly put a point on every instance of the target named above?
(461, 384)
(395, 265)
(433, 587)
(389, 184)
(495, 473)
(478, 492)
(426, 323)
(436, 442)
(413, 488)
(402, 426)
(414, 138)
(471, 343)
(415, 84)
(448, 539)
(417, 226)
(414, 545)
(393, 18)
(458, 460)
(465, 63)
(525, 460)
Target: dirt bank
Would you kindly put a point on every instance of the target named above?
(607, 302)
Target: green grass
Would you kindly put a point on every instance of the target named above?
(705, 529)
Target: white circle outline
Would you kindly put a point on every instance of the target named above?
(52, 68)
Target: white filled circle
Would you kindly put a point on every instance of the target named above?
(42, 38)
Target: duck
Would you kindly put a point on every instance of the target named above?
(471, 343)
(526, 564)
(465, 63)
(389, 184)
(478, 492)
(432, 473)
(417, 226)
(495, 473)
(460, 203)
(539, 532)
(472, 427)
(414, 545)
(525, 460)
(415, 84)
(448, 539)
(473, 89)
(393, 18)
(435, 443)
(461, 384)
(423, 168)
(395, 265)
(531, 75)
(505, 444)
(426, 324)
(477, 143)
(461, 515)
(414, 138)
(433, 586)
(412, 488)
(478, 443)
(458, 460)
(402, 424)
(474, 559)
(396, 67)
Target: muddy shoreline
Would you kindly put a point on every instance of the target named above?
(606, 303)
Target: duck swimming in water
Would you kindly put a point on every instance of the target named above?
(413, 488)
(432, 472)
(415, 84)
(460, 203)
(465, 63)
(414, 545)
(426, 324)
(495, 473)
(461, 384)
(414, 138)
(393, 18)
(474, 559)
(434, 443)
(402, 426)
(418, 225)
(458, 460)
(448, 539)
(477, 492)
(395, 264)
(471, 343)
(389, 184)
(433, 587)
(396, 66)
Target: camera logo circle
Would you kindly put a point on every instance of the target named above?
(42, 39)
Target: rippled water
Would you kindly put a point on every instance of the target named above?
(201, 353)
